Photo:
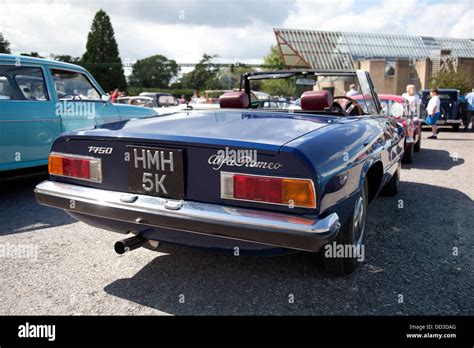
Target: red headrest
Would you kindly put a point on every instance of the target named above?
(234, 100)
(316, 100)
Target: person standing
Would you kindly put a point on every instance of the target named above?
(433, 112)
(412, 99)
(196, 96)
(352, 91)
(115, 95)
(470, 110)
(182, 100)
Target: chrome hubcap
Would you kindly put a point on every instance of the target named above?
(359, 221)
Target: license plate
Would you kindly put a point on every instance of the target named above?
(156, 171)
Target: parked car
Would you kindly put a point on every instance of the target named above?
(236, 178)
(41, 98)
(450, 106)
(397, 107)
(146, 102)
(161, 99)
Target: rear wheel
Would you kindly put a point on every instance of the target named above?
(408, 155)
(391, 188)
(352, 233)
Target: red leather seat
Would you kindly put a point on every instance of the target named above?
(316, 100)
(234, 100)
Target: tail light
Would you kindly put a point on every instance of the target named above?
(268, 189)
(75, 166)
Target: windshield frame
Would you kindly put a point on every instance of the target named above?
(362, 77)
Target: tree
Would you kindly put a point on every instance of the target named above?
(285, 87)
(154, 71)
(67, 58)
(449, 78)
(102, 55)
(203, 76)
(274, 59)
(4, 45)
(31, 54)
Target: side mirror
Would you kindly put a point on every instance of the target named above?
(105, 98)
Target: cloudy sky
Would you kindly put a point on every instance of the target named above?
(234, 30)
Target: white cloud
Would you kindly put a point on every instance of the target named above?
(406, 17)
(240, 32)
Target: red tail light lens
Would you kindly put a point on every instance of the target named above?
(75, 166)
(268, 189)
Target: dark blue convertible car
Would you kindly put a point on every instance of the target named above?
(245, 177)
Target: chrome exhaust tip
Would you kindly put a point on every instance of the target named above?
(129, 244)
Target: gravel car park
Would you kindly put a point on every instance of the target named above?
(419, 262)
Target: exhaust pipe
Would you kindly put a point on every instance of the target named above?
(129, 244)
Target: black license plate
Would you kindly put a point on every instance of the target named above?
(156, 171)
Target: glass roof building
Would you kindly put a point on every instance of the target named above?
(392, 60)
(339, 50)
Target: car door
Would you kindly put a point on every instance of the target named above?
(79, 102)
(28, 123)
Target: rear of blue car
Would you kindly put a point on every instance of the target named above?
(191, 189)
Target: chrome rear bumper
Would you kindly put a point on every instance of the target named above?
(276, 229)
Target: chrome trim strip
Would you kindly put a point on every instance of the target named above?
(282, 230)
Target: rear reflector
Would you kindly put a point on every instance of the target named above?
(268, 189)
(75, 166)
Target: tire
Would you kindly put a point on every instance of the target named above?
(391, 188)
(408, 155)
(352, 232)
(456, 127)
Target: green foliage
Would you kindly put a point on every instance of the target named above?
(31, 54)
(285, 87)
(4, 45)
(154, 71)
(274, 58)
(203, 76)
(67, 59)
(451, 79)
(102, 55)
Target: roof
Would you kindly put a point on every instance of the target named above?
(394, 97)
(339, 50)
(302, 72)
(153, 93)
(11, 58)
(136, 97)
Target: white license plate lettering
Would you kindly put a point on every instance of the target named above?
(154, 183)
(156, 171)
(153, 160)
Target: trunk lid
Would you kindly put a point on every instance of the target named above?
(221, 127)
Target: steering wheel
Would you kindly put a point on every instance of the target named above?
(352, 106)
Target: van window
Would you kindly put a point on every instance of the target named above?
(22, 83)
(71, 85)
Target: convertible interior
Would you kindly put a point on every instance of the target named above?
(311, 102)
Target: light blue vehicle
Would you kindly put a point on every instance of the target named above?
(40, 99)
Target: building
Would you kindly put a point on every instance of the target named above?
(392, 60)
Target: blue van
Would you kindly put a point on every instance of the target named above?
(40, 99)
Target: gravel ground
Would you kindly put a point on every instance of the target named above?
(408, 256)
